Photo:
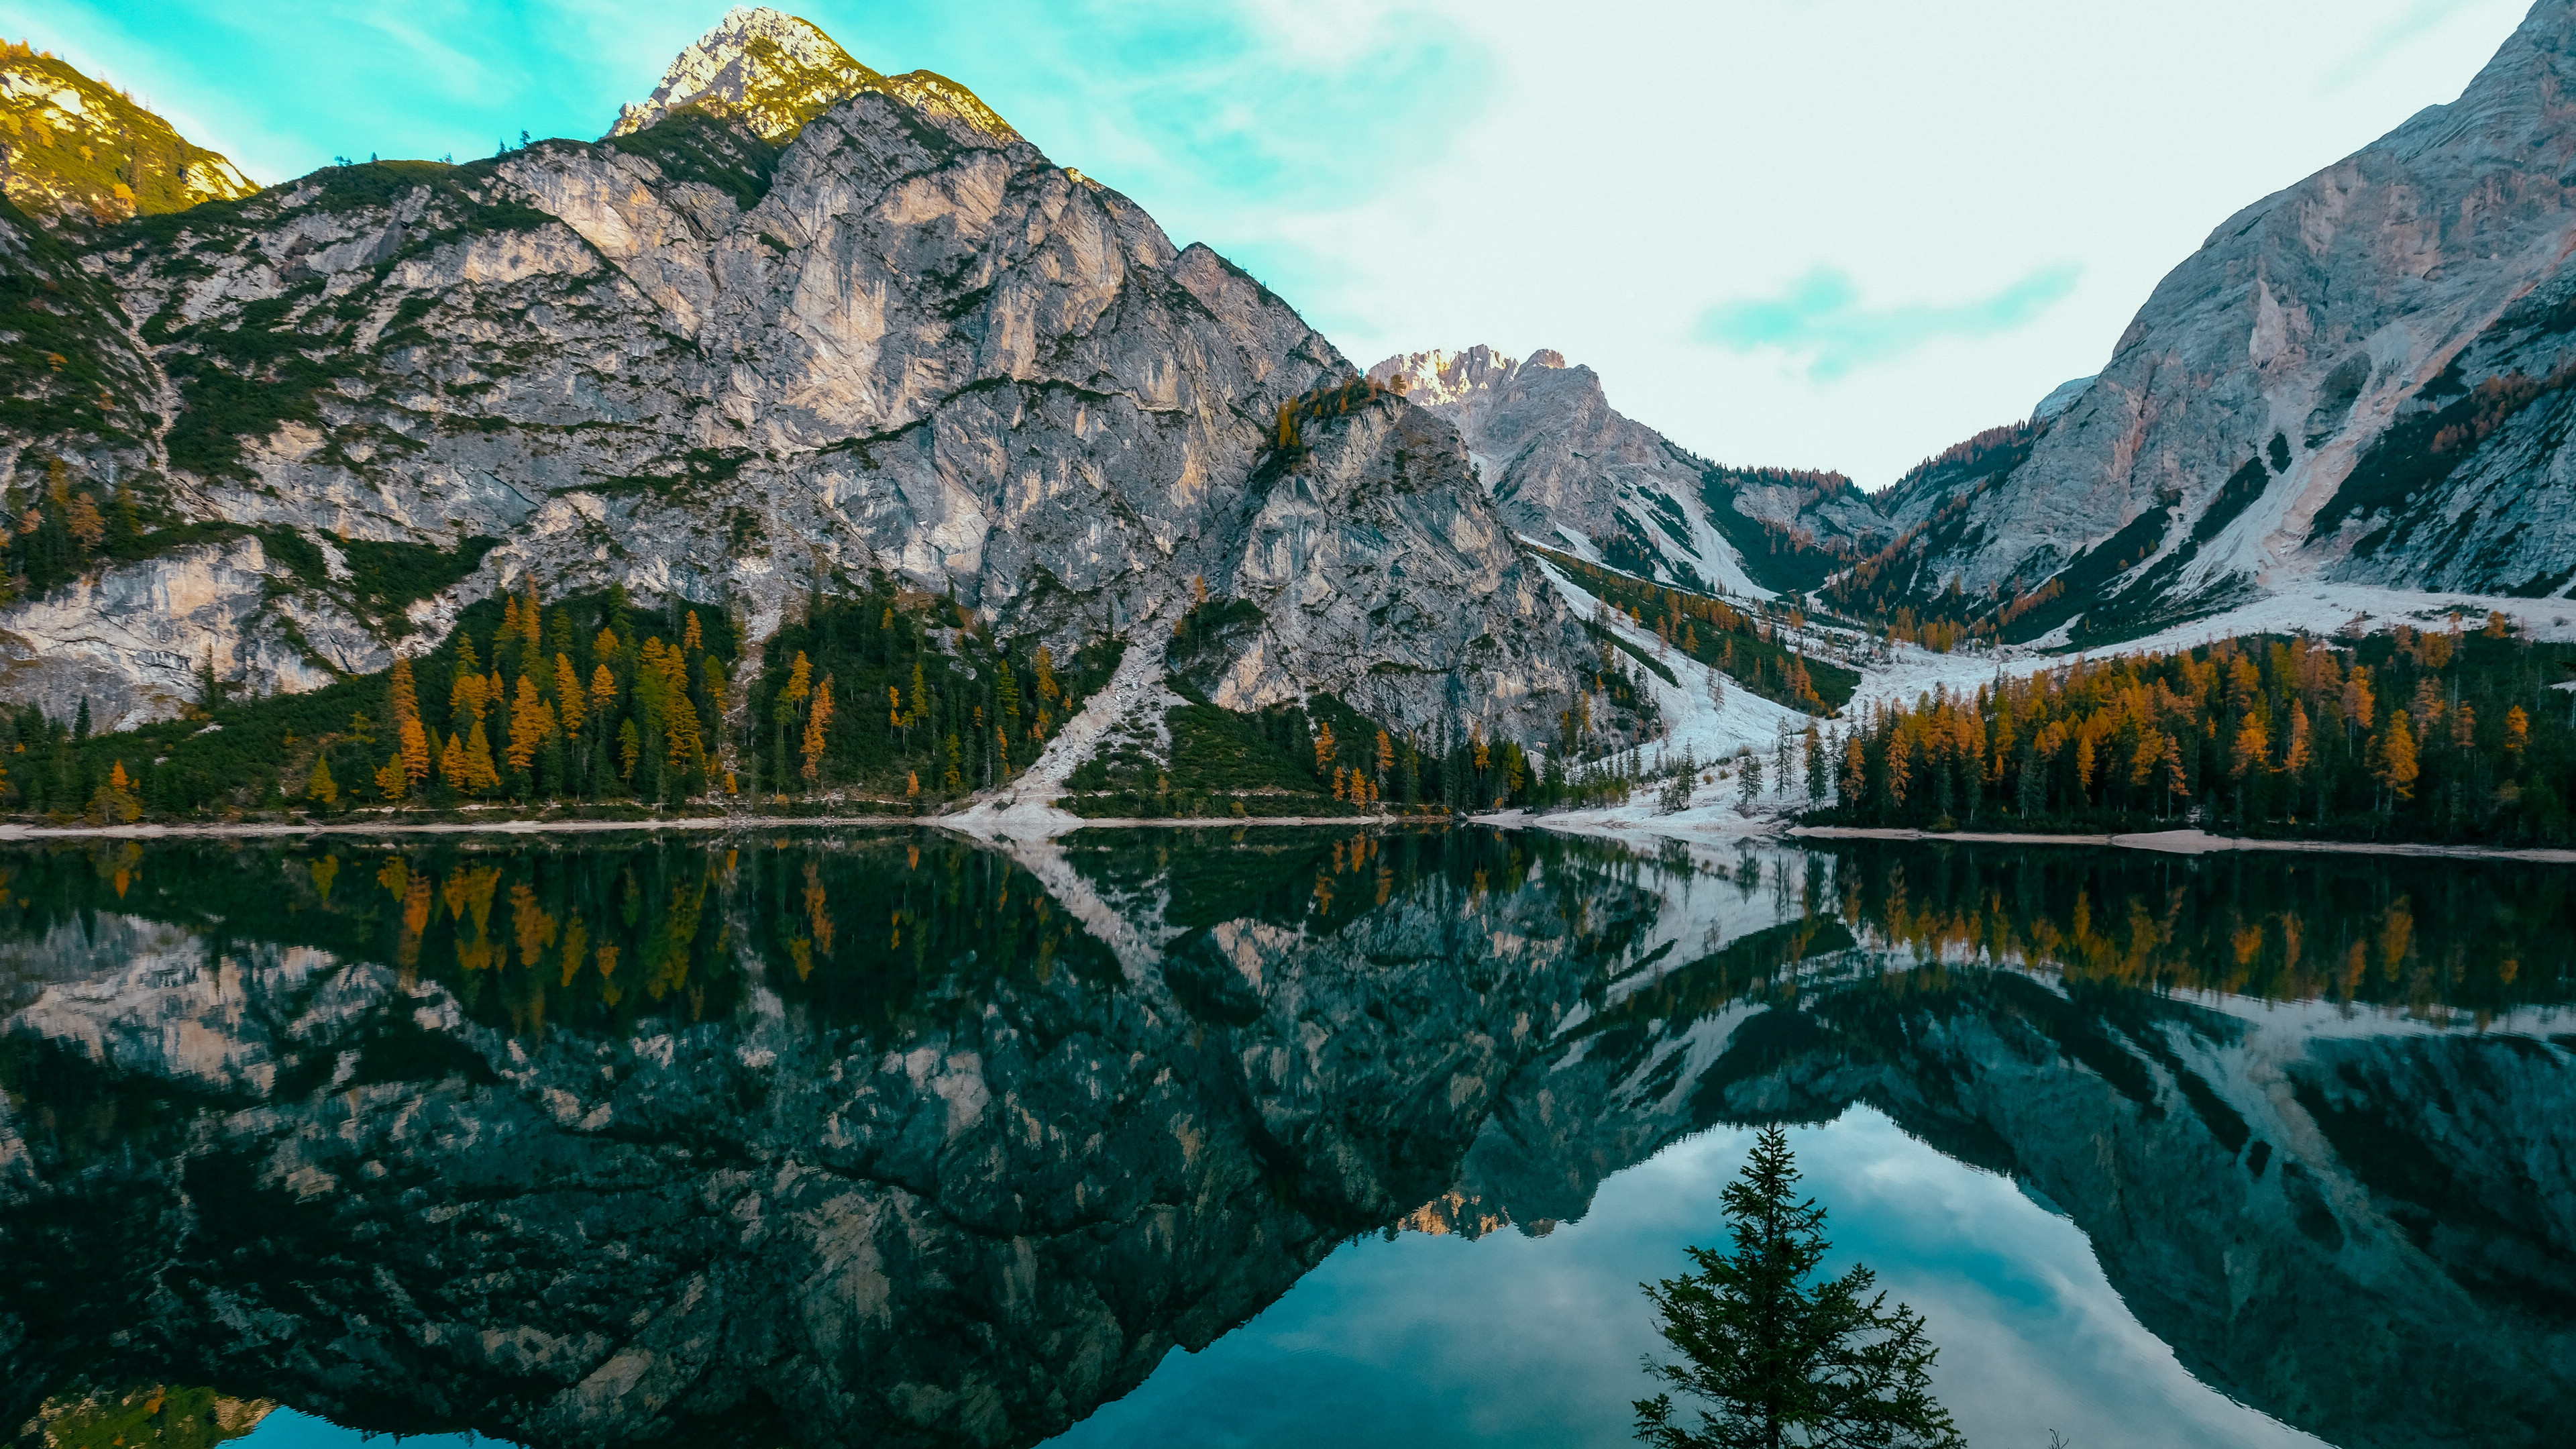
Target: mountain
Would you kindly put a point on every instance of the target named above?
(773, 73)
(1571, 472)
(2363, 378)
(71, 146)
(793, 325)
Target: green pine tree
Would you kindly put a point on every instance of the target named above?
(1783, 1364)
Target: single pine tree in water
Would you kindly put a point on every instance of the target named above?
(1782, 1363)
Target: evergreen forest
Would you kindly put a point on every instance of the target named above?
(583, 699)
(2461, 736)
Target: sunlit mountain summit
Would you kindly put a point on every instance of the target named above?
(774, 72)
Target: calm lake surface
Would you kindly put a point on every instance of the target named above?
(1259, 1138)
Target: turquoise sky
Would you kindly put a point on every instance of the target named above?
(1839, 233)
(1200, 109)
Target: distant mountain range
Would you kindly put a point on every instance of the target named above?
(1570, 472)
(796, 319)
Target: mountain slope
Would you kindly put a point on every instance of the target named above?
(72, 146)
(704, 366)
(2361, 378)
(1568, 470)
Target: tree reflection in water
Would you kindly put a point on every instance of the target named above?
(897, 1138)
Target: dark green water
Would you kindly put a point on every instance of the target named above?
(1258, 1138)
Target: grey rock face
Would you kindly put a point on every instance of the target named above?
(2360, 377)
(1569, 471)
(2059, 399)
(1349, 553)
(130, 640)
(689, 362)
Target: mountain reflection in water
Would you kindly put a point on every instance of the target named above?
(899, 1139)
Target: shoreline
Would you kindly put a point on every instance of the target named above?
(1024, 824)
(2189, 842)
(247, 829)
(960, 822)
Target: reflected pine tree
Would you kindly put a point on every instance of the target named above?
(1782, 1359)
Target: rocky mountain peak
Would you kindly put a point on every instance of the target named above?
(895, 346)
(774, 72)
(1437, 379)
(1567, 469)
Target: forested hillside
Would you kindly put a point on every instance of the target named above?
(2409, 735)
(582, 699)
(904, 695)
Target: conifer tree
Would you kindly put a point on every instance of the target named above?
(1779, 1361)
(568, 694)
(481, 777)
(531, 720)
(115, 803)
(799, 688)
(465, 700)
(817, 720)
(2395, 752)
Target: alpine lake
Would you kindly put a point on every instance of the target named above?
(1261, 1136)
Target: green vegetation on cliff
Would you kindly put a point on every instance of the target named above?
(67, 370)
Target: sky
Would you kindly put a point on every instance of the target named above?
(1809, 233)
